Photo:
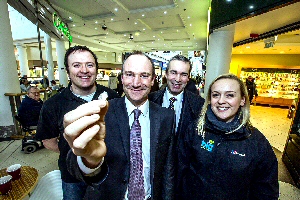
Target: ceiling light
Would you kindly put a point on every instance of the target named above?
(70, 18)
(116, 9)
(112, 19)
(143, 15)
(96, 22)
(165, 12)
(74, 25)
(135, 22)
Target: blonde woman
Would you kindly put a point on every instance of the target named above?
(222, 156)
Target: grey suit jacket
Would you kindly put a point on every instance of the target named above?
(112, 181)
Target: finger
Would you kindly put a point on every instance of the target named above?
(83, 110)
(82, 140)
(102, 131)
(74, 129)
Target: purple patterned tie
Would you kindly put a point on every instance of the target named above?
(172, 100)
(136, 189)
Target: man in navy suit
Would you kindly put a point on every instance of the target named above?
(100, 151)
(187, 105)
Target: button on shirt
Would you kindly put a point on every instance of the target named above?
(145, 132)
(177, 104)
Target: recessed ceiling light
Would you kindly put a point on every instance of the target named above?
(116, 9)
(165, 12)
(125, 35)
(251, 7)
(74, 25)
(112, 19)
(161, 32)
(135, 22)
(144, 29)
(70, 18)
(188, 17)
(96, 22)
(154, 36)
(190, 24)
(96, 28)
(143, 15)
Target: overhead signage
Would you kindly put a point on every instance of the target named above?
(61, 26)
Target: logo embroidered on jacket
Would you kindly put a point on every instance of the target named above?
(207, 146)
(236, 153)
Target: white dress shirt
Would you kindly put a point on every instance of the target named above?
(145, 133)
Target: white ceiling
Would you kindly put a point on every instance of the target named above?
(155, 25)
(167, 25)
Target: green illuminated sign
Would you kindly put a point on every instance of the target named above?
(61, 26)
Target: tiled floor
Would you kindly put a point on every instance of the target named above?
(272, 122)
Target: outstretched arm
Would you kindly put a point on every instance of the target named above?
(85, 132)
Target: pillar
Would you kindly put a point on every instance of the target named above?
(23, 60)
(9, 82)
(49, 57)
(219, 55)
(60, 50)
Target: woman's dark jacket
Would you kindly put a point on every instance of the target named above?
(236, 166)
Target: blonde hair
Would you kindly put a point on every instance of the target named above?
(245, 110)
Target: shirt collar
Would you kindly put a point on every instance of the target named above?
(130, 107)
(179, 97)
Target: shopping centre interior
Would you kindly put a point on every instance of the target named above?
(265, 45)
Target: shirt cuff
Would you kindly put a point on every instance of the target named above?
(88, 171)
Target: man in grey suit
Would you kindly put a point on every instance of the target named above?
(187, 105)
(101, 152)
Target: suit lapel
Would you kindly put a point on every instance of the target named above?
(123, 122)
(154, 133)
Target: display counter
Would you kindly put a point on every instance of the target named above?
(273, 101)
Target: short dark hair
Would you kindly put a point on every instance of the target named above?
(142, 54)
(79, 48)
(179, 58)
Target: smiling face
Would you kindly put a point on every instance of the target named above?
(137, 79)
(82, 72)
(226, 99)
(177, 76)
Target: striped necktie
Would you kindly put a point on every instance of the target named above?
(172, 100)
(136, 189)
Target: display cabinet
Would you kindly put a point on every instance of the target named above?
(274, 86)
(274, 83)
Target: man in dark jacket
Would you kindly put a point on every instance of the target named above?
(82, 66)
(251, 87)
(187, 105)
(30, 107)
(110, 161)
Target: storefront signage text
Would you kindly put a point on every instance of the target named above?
(60, 25)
